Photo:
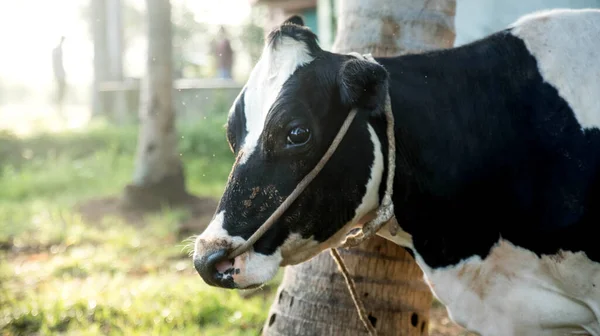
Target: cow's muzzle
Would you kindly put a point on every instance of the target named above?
(213, 269)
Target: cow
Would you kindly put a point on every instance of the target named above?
(497, 174)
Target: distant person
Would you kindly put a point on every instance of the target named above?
(59, 73)
(223, 54)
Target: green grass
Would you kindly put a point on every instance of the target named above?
(62, 275)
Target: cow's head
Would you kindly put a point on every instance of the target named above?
(279, 127)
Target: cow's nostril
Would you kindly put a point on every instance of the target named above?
(206, 265)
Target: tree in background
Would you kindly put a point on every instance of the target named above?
(159, 177)
(173, 36)
(313, 298)
(191, 38)
(96, 13)
(252, 35)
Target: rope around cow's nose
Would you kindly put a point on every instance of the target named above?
(385, 212)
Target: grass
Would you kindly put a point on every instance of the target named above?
(62, 275)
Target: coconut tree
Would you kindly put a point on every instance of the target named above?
(313, 298)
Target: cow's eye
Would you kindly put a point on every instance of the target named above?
(298, 136)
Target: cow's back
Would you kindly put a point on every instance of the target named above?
(523, 286)
(566, 45)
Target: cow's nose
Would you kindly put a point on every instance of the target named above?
(206, 265)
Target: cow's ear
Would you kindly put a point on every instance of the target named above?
(363, 84)
(295, 20)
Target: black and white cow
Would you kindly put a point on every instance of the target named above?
(497, 178)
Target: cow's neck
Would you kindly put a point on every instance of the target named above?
(447, 107)
(456, 115)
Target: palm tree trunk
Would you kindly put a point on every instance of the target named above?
(158, 178)
(313, 298)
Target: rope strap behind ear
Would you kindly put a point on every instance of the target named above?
(385, 212)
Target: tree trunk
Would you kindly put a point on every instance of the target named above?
(313, 298)
(98, 23)
(114, 34)
(158, 178)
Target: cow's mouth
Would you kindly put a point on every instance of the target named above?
(232, 269)
(248, 270)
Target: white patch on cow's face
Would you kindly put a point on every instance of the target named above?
(273, 69)
(370, 200)
(215, 231)
(514, 292)
(254, 268)
(565, 45)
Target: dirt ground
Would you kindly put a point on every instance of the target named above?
(201, 211)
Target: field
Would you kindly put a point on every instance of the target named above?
(68, 267)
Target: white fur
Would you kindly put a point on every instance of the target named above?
(370, 200)
(215, 231)
(274, 67)
(514, 292)
(566, 44)
(256, 268)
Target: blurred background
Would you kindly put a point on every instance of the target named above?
(73, 259)
(104, 48)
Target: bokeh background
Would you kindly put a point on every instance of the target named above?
(72, 260)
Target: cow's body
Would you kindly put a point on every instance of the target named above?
(497, 178)
(507, 147)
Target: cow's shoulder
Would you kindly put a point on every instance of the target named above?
(513, 291)
(565, 44)
(516, 157)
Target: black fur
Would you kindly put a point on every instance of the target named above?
(294, 28)
(310, 98)
(490, 151)
(485, 149)
(363, 84)
(236, 124)
(295, 19)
